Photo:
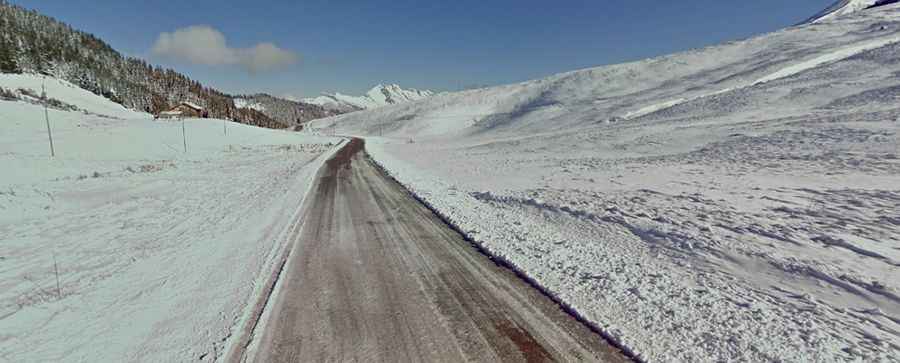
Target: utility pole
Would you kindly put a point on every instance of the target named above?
(47, 118)
(224, 130)
(183, 136)
(56, 270)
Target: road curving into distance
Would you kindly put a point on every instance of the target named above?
(375, 276)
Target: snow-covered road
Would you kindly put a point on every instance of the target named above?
(375, 276)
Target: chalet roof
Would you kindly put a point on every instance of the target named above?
(192, 105)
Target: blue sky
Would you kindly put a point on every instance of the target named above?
(349, 46)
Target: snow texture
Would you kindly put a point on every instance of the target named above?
(159, 253)
(243, 103)
(739, 202)
(841, 8)
(65, 92)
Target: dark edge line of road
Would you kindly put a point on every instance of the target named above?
(502, 262)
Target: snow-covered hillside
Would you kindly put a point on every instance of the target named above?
(160, 253)
(251, 104)
(840, 8)
(28, 87)
(33, 43)
(378, 96)
(288, 111)
(734, 203)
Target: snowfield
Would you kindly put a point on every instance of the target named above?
(160, 254)
(28, 88)
(840, 8)
(734, 203)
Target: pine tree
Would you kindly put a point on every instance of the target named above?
(7, 57)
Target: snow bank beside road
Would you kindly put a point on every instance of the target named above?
(679, 260)
(159, 252)
(748, 221)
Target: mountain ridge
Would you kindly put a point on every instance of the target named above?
(840, 8)
(285, 109)
(378, 96)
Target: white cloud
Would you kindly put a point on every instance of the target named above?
(201, 44)
(266, 56)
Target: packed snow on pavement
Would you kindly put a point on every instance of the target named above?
(737, 202)
(159, 253)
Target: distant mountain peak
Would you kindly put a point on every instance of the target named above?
(378, 96)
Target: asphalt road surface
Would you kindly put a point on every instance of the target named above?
(375, 276)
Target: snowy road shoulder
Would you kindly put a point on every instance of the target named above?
(159, 252)
(681, 260)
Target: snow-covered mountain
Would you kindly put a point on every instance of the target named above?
(378, 96)
(843, 7)
(289, 111)
(733, 203)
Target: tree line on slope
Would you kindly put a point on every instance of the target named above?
(34, 43)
